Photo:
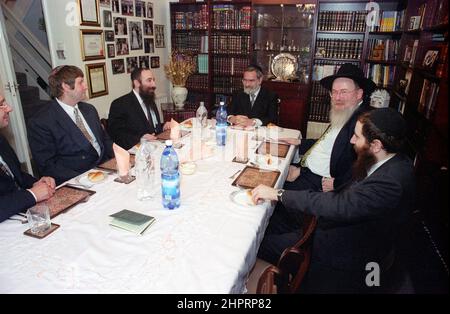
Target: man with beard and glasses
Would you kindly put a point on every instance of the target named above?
(135, 114)
(18, 189)
(359, 222)
(255, 105)
(66, 137)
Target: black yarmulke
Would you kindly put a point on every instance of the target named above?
(389, 121)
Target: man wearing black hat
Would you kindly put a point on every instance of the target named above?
(357, 223)
(326, 163)
(256, 105)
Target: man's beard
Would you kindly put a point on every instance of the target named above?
(364, 161)
(338, 117)
(249, 91)
(147, 94)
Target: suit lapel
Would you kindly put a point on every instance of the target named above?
(8, 158)
(93, 124)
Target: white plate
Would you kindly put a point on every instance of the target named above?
(241, 197)
(84, 180)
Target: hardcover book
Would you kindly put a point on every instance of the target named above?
(131, 221)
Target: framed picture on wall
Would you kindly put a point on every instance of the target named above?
(430, 58)
(159, 36)
(111, 50)
(132, 63)
(107, 18)
(149, 45)
(96, 77)
(118, 66)
(148, 27)
(149, 10)
(154, 62)
(105, 3)
(92, 44)
(89, 15)
(109, 36)
(144, 62)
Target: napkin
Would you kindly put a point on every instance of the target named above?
(241, 146)
(175, 132)
(122, 160)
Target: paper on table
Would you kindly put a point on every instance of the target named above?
(122, 160)
(174, 130)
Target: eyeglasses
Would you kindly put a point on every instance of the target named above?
(248, 81)
(343, 93)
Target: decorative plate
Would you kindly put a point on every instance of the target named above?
(284, 66)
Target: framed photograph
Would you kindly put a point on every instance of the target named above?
(92, 44)
(135, 35)
(122, 46)
(144, 62)
(127, 7)
(148, 27)
(107, 18)
(430, 58)
(109, 36)
(149, 10)
(89, 15)
(105, 3)
(111, 50)
(159, 36)
(118, 66)
(149, 45)
(140, 8)
(154, 62)
(115, 6)
(96, 77)
(132, 63)
(120, 26)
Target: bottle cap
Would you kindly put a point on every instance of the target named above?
(222, 103)
(168, 142)
(202, 103)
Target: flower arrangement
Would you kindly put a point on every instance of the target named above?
(180, 67)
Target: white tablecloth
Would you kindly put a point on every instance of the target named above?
(208, 245)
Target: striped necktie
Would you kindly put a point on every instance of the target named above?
(81, 125)
(308, 152)
(252, 99)
(4, 169)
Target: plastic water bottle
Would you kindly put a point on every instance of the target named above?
(202, 115)
(170, 177)
(145, 170)
(221, 125)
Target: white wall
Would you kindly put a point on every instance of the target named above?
(60, 14)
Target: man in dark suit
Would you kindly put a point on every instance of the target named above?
(135, 114)
(326, 162)
(358, 223)
(66, 137)
(18, 190)
(255, 105)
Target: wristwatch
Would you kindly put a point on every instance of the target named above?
(280, 195)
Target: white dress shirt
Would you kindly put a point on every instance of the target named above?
(71, 112)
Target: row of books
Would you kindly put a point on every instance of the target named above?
(320, 103)
(383, 49)
(227, 17)
(382, 75)
(202, 63)
(388, 21)
(191, 20)
(226, 43)
(339, 48)
(197, 82)
(354, 21)
(227, 85)
(428, 95)
(194, 42)
(229, 66)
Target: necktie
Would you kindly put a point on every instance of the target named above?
(5, 170)
(81, 126)
(252, 99)
(308, 152)
(149, 115)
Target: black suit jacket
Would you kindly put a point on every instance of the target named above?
(127, 121)
(59, 147)
(342, 155)
(265, 107)
(358, 223)
(13, 198)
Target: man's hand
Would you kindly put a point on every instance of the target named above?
(290, 140)
(327, 184)
(264, 192)
(42, 191)
(242, 120)
(47, 180)
(293, 173)
(150, 137)
(166, 126)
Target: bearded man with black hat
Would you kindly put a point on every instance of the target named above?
(358, 223)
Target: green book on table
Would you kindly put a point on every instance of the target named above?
(131, 221)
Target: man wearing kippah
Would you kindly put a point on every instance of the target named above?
(359, 222)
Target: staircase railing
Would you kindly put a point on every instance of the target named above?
(29, 50)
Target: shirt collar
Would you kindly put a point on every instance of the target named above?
(138, 97)
(379, 164)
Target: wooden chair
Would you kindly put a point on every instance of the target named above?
(272, 281)
(294, 262)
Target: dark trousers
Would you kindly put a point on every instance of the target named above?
(285, 225)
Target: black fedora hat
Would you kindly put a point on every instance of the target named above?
(350, 71)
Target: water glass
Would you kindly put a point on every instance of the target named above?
(39, 218)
